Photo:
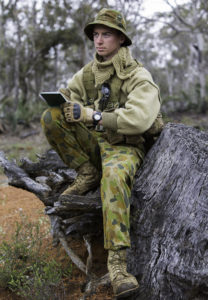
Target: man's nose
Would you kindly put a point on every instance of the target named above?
(99, 39)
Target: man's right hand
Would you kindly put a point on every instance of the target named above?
(75, 112)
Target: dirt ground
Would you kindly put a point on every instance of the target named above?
(15, 203)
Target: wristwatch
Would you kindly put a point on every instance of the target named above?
(97, 117)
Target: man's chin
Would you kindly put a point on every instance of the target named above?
(101, 52)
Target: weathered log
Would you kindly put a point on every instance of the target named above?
(19, 178)
(170, 217)
(169, 210)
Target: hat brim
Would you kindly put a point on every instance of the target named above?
(89, 31)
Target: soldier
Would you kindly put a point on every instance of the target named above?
(99, 133)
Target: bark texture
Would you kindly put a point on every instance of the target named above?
(170, 217)
(169, 213)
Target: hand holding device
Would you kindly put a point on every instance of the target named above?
(56, 98)
(75, 112)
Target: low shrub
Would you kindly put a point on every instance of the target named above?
(25, 267)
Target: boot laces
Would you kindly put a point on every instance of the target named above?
(79, 180)
(118, 272)
(118, 267)
(84, 179)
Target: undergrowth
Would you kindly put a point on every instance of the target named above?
(25, 267)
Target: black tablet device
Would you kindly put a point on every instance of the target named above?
(53, 98)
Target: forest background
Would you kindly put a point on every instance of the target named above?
(42, 45)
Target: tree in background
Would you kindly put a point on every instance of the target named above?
(42, 45)
(184, 36)
(41, 48)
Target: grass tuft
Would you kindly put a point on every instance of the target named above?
(25, 267)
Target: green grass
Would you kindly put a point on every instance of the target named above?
(25, 267)
(18, 150)
(1, 171)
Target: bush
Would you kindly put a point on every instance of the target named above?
(27, 270)
(24, 114)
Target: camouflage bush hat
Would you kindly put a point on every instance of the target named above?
(111, 18)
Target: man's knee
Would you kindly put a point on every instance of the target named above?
(50, 117)
(115, 172)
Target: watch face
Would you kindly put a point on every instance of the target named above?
(97, 117)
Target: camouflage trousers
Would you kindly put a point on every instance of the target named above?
(76, 144)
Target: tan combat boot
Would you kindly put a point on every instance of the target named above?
(123, 283)
(88, 178)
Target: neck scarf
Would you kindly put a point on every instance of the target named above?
(103, 70)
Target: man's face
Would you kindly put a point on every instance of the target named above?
(107, 41)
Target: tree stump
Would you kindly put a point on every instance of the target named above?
(169, 210)
(170, 217)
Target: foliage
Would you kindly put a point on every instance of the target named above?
(18, 150)
(177, 103)
(43, 45)
(26, 269)
(185, 43)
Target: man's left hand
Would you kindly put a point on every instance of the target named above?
(75, 112)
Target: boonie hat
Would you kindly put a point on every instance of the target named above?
(111, 18)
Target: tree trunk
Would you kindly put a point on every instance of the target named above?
(169, 217)
(201, 68)
(56, 67)
(169, 76)
(16, 67)
(169, 210)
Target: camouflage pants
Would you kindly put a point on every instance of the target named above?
(76, 144)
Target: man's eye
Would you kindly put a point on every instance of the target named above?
(107, 34)
(95, 34)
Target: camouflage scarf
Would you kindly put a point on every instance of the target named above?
(103, 70)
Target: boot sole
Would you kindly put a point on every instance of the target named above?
(127, 293)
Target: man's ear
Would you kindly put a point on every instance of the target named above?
(122, 38)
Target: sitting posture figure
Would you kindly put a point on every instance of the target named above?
(113, 101)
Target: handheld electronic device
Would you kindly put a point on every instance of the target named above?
(53, 98)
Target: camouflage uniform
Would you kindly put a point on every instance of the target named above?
(76, 144)
(130, 110)
(118, 150)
